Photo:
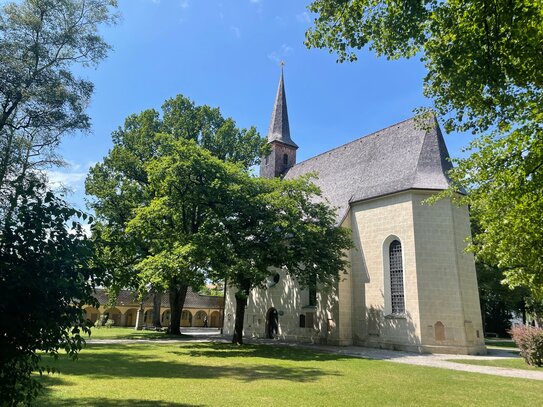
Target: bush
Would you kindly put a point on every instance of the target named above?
(529, 339)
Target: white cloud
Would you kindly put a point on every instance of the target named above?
(255, 1)
(281, 53)
(236, 31)
(72, 177)
(60, 179)
(303, 17)
(184, 4)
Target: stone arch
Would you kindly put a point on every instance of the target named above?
(91, 314)
(148, 317)
(186, 318)
(215, 319)
(114, 314)
(199, 318)
(165, 318)
(130, 316)
(272, 323)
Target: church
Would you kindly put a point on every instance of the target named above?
(409, 285)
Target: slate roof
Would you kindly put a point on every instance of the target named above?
(279, 129)
(192, 300)
(407, 155)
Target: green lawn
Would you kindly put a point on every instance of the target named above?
(500, 343)
(127, 333)
(516, 363)
(207, 374)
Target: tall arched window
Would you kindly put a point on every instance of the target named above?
(396, 278)
(285, 159)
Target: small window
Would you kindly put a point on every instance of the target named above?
(302, 321)
(276, 278)
(266, 160)
(397, 297)
(285, 159)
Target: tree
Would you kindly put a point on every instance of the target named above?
(45, 270)
(46, 277)
(499, 303)
(270, 224)
(485, 75)
(40, 98)
(120, 185)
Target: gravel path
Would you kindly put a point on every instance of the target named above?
(431, 360)
(434, 360)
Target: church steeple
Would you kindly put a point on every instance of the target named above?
(283, 149)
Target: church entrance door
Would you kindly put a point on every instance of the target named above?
(272, 323)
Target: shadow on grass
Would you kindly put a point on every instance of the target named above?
(96, 336)
(117, 361)
(279, 352)
(105, 402)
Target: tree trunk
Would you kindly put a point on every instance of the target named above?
(241, 303)
(157, 300)
(177, 300)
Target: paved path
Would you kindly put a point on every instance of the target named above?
(431, 360)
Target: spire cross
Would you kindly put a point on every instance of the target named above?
(282, 63)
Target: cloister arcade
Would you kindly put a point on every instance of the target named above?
(199, 311)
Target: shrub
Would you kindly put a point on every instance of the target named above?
(529, 339)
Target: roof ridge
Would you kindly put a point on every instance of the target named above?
(353, 141)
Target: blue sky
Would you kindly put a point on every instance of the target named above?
(226, 54)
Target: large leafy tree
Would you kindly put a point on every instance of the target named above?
(40, 98)
(121, 184)
(484, 75)
(46, 277)
(211, 219)
(45, 270)
(274, 224)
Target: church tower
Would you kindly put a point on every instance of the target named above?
(283, 149)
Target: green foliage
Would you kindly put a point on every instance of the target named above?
(40, 98)
(499, 303)
(45, 268)
(485, 75)
(274, 223)
(529, 339)
(46, 277)
(151, 203)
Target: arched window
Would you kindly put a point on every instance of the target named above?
(285, 159)
(397, 299)
(266, 160)
(302, 320)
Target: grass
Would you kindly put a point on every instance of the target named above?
(127, 333)
(212, 374)
(510, 363)
(501, 343)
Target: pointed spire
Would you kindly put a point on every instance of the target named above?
(279, 129)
